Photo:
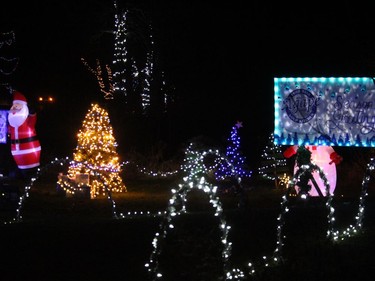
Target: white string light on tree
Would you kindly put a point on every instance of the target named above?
(120, 54)
(109, 90)
(273, 165)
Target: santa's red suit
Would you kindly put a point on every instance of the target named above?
(25, 146)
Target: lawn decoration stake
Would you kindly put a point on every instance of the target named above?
(25, 146)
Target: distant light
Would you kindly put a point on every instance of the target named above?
(46, 99)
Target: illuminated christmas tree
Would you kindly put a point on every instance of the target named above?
(273, 165)
(235, 167)
(95, 154)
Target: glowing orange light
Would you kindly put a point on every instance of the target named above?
(48, 99)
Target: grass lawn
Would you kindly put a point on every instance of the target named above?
(63, 238)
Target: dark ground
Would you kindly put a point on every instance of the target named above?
(77, 239)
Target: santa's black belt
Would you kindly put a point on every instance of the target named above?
(24, 140)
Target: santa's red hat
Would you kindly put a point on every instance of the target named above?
(19, 98)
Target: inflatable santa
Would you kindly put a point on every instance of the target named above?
(325, 158)
(25, 146)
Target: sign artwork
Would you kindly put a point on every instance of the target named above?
(325, 111)
(3, 126)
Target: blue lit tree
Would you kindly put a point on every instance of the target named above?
(235, 166)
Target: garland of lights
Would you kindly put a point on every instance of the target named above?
(196, 170)
(27, 187)
(276, 258)
(195, 179)
(156, 173)
(354, 229)
(65, 186)
(68, 187)
(333, 235)
(72, 188)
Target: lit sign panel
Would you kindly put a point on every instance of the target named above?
(3, 126)
(336, 111)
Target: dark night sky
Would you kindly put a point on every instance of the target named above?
(221, 57)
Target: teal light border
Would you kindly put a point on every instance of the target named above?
(327, 87)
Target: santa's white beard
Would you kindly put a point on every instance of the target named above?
(17, 118)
